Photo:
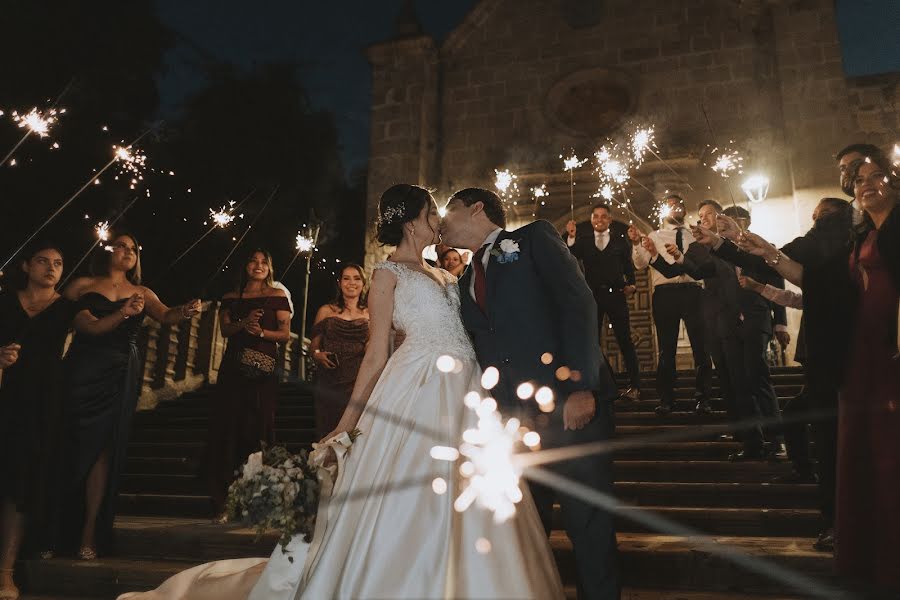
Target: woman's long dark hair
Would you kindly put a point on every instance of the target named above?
(100, 261)
(363, 296)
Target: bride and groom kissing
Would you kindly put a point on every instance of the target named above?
(522, 307)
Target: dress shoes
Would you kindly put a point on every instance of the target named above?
(796, 476)
(703, 407)
(825, 541)
(663, 410)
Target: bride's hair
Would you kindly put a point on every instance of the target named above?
(399, 205)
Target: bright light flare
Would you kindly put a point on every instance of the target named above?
(304, 243)
(572, 162)
(490, 474)
(37, 122)
(223, 217)
(727, 162)
(756, 187)
(102, 231)
(505, 182)
(641, 140)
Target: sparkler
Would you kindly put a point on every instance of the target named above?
(117, 156)
(539, 193)
(641, 141)
(305, 243)
(102, 230)
(490, 473)
(571, 163)
(728, 159)
(35, 123)
(505, 182)
(241, 239)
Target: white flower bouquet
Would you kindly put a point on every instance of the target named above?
(280, 491)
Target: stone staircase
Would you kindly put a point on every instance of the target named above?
(165, 525)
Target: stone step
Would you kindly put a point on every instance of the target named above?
(158, 465)
(197, 505)
(150, 550)
(641, 493)
(698, 471)
(686, 403)
(201, 422)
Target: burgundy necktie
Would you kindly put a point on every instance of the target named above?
(480, 281)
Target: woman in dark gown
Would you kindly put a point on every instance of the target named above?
(36, 320)
(102, 369)
(338, 345)
(867, 535)
(255, 319)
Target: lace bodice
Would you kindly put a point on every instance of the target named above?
(428, 313)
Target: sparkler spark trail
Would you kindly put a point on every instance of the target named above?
(35, 123)
(727, 162)
(490, 474)
(72, 198)
(304, 242)
(223, 217)
(570, 163)
(506, 185)
(641, 141)
(102, 230)
(539, 193)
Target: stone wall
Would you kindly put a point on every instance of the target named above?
(519, 81)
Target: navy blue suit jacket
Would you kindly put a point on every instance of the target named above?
(538, 304)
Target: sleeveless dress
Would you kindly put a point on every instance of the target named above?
(347, 339)
(31, 413)
(391, 536)
(244, 412)
(102, 376)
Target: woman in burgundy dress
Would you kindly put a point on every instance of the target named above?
(867, 536)
(255, 319)
(338, 345)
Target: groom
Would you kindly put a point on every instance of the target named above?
(532, 316)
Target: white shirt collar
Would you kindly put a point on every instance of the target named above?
(601, 233)
(492, 237)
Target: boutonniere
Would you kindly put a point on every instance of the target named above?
(508, 251)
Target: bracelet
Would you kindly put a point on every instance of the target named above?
(262, 333)
(124, 316)
(775, 260)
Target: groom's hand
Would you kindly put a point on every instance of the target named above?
(579, 410)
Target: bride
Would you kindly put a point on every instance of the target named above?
(387, 534)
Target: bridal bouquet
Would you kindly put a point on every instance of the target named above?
(280, 491)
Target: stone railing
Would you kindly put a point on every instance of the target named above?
(181, 358)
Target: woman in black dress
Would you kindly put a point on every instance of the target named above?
(255, 319)
(102, 370)
(34, 323)
(338, 344)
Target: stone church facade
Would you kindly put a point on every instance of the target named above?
(519, 82)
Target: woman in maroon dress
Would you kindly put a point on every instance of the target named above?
(255, 319)
(867, 535)
(338, 345)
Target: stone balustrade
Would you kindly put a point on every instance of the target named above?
(183, 357)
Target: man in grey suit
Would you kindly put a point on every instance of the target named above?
(531, 315)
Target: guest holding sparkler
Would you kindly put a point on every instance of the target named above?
(255, 318)
(34, 322)
(338, 344)
(102, 371)
(674, 299)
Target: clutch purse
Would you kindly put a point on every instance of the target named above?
(254, 364)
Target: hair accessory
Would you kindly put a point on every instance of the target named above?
(391, 213)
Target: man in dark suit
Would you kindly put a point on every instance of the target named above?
(743, 328)
(532, 316)
(606, 256)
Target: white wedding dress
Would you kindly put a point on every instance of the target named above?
(387, 534)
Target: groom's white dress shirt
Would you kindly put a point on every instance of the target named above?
(485, 259)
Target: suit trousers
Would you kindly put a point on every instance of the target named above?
(614, 305)
(591, 529)
(673, 303)
(760, 379)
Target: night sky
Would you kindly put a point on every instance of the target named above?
(327, 41)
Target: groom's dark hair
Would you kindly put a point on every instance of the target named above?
(493, 205)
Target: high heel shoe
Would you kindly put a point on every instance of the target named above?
(7, 592)
(87, 553)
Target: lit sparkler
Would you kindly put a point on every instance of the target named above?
(505, 182)
(896, 155)
(132, 162)
(539, 193)
(490, 473)
(570, 163)
(102, 230)
(223, 217)
(727, 162)
(304, 243)
(641, 141)
(34, 122)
